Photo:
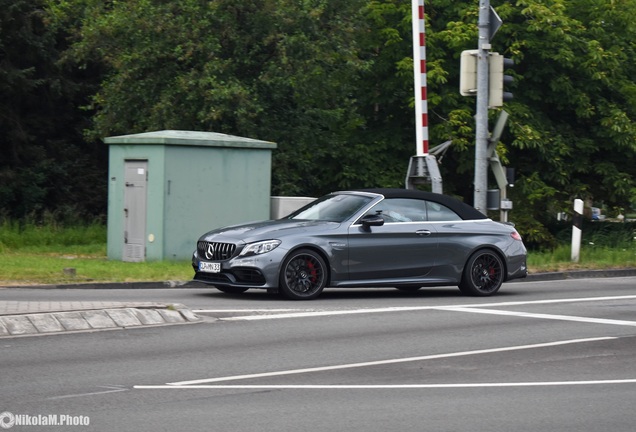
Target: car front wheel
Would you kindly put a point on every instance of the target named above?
(303, 275)
(483, 274)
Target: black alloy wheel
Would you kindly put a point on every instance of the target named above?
(303, 275)
(483, 274)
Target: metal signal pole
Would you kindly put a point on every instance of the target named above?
(481, 118)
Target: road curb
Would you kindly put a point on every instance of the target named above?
(30, 324)
(578, 274)
(546, 276)
(115, 285)
(533, 277)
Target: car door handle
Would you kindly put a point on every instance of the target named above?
(423, 233)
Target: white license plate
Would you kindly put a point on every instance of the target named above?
(210, 267)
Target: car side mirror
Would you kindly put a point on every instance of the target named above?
(372, 220)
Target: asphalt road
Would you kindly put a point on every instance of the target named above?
(540, 356)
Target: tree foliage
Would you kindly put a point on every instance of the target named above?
(285, 71)
(572, 133)
(44, 165)
(331, 82)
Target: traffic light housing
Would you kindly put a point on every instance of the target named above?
(497, 80)
(510, 176)
(468, 73)
(497, 95)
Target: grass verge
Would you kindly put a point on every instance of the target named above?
(23, 268)
(591, 258)
(35, 253)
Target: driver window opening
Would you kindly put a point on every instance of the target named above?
(399, 210)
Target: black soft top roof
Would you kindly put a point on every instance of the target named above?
(464, 211)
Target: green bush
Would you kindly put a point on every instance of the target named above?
(601, 234)
(48, 233)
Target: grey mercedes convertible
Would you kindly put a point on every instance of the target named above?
(364, 238)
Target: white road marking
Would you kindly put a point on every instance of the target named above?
(543, 316)
(553, 301)
(248, 310)
(384, 362)
(471, 308)
(387, 386)
(317, 314)
(112, 389)
(307, 314)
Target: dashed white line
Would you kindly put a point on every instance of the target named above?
(111, 389)
(543, 316)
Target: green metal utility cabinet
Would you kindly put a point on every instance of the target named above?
(167, 188)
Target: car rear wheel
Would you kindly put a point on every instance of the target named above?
(303, 275)
(232, 290)
(483, 274)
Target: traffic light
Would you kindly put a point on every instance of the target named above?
(510, 176)
(497, 64)
(468, 73)
(497, 80)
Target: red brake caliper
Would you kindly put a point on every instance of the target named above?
(312, 271)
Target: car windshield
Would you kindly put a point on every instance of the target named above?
(334, 208)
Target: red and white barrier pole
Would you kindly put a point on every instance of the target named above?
(419, 70)
(577, 228)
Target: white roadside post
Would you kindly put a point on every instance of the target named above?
(419, 75)
(423, 166)
(576, 229)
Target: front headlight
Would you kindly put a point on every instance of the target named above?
(260, 247)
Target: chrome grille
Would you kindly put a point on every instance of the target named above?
(221, 251)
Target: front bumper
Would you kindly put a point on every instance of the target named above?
(260, 271)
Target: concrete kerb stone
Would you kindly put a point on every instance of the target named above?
(123, 317)
(19, 325)
(96, 319)
(188, 314)
(3, 330)
(46, 323)
(118, 285)
(72, 321)
(148, 316)
(171, 316)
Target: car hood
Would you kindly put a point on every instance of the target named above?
(265, 230)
